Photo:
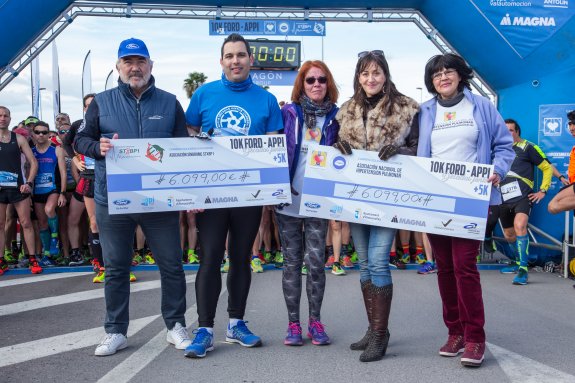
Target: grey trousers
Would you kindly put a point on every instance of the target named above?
(163, 236)
(297, 249)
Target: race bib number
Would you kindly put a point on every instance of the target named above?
(510, 191)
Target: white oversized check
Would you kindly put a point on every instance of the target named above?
(163, 174)
(405, 192)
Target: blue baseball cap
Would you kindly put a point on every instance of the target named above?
(133, 47)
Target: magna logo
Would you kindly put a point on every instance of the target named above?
(221, 199)
(408, 221)
(312, 205)
(528, 21)
(122, 202)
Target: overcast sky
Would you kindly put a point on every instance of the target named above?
(179, 47)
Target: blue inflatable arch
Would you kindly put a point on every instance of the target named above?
(524, 50)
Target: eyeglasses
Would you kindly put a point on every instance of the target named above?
(312, 80)
(41, 132)
(447, 73)
(377, 52)
(63, 131)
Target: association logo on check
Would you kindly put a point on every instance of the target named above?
(445, 224)
(257, 194)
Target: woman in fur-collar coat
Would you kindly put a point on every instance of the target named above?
(378, 118)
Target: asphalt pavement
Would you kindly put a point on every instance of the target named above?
(51, 324)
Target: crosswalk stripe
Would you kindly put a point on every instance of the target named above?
(34, 304)
(521, 369)
(41, 278)
(41, 348)
(136, 362)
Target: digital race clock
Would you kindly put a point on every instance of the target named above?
(275, 54)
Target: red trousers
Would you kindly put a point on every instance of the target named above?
(459, 286)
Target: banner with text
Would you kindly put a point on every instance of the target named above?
(267, 27)
(411, 193)
(526, 24)
(167, 174)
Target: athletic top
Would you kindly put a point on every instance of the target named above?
(229, 112)
(45, 181)
(10, 164)
(519, 182)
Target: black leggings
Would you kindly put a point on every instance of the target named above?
(492, 218)
(242, 223)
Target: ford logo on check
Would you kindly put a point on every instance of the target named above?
(339, 162)
(312, 205)
(122, 202)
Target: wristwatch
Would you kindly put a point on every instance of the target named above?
(543, 191)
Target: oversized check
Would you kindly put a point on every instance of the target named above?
(163, 174)
(405, 192)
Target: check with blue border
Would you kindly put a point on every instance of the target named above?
(411, 193)
(165, 174)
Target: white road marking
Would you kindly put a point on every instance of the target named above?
(35, 304)
(41, 348)
(136, 362)
(521, 369)
(42, 278)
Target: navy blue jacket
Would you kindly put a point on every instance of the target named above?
(157, 114)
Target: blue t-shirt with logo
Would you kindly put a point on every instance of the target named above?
(248, 112)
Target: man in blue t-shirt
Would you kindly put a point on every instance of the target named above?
(231, 106)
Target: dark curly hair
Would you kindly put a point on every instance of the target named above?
(447, 61)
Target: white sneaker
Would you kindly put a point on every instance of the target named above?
(178, 336)
(111, 344)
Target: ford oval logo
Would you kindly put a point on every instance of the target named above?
(339, 162)
(122, 202)
(312, 205)
(470, 226)
(132, 46)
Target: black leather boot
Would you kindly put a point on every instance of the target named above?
(366, 291)
(380, 309)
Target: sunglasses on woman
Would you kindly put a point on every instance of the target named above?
(63, 131)
(312, 80)
(365, 53)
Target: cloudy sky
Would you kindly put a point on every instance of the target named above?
(179, 47)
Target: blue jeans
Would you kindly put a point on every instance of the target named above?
(373, 244)
(162, 233)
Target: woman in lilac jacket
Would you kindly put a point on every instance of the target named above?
(308, 120)
(458, 125)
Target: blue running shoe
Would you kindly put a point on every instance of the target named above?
(202, 343)
(427, 268)
(46, 262)
(54, 249)
(510, 269)
(316, 332)
(293, 337)
(521, 277)
(242, 335)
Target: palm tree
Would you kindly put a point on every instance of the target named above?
(193, 82)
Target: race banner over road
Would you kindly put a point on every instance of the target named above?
(163, 174)
(267, 27)
(412, 193)
(526, 24)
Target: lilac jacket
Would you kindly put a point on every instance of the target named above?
(494, 144)
(292, 116)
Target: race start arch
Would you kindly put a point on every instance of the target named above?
(523, 51)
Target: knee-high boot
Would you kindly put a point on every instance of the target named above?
(366, 292)
(380, 309)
